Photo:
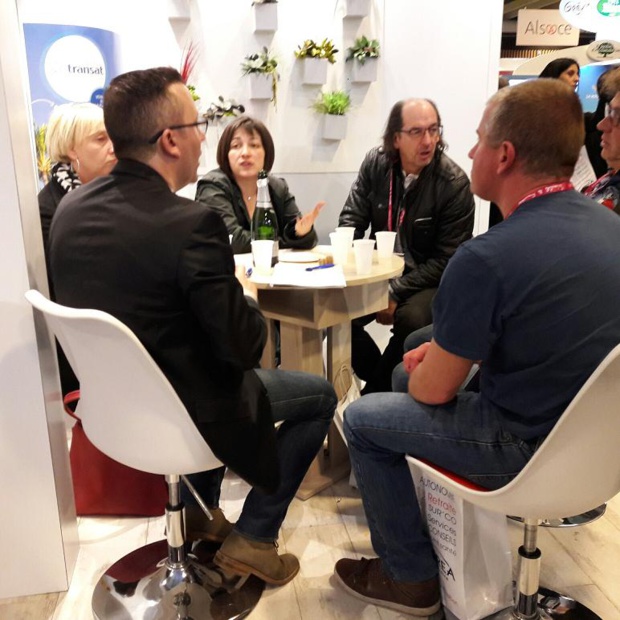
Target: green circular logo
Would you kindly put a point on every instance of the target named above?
(609, 8)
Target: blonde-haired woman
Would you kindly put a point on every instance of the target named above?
(80, 150)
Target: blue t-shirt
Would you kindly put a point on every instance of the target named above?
(537, 300)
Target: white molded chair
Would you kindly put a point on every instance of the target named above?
(576, 469)
(130, 412)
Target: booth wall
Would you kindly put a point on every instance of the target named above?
(441, 50)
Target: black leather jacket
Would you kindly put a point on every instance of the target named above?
(439, 215)
(220, 193)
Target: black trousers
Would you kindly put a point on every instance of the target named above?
(369, 363)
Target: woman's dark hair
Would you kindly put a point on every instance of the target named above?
(250, 126)
(556, 67)
(395, 124)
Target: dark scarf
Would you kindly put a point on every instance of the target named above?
(64, 176)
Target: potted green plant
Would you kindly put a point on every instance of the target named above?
(263, 73)
(223, 109)
(363, 54)
(265, 15)
(356, 8)
(333, 105)
(314, 56)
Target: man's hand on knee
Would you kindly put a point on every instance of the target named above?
(412, 358)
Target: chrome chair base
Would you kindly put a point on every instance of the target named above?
(551, 606)
(143, 586)
(574, 521)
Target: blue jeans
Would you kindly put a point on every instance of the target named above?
(460, 436)
(305, 404)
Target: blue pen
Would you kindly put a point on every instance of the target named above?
(248, 273)
(326, 266)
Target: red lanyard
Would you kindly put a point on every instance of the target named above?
(402, 211)
(552, 188)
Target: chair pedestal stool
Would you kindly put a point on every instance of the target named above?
(531, 601)
(165, 581)
(132, 414)
(575, 470)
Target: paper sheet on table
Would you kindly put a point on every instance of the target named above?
(290, 274)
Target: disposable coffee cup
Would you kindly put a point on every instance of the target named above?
(262, 254)
(385, 244)
(363, 249)
(349, 231)
(340, 247)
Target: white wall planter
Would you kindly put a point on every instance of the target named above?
(334, 127)
(357, 8)
(266, 17)
(366, 72)
(178, 10)
(314, 70)
(260, 86)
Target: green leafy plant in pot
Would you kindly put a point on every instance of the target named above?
(333, 105)
(362, 49)
(266, 64)
(335, 102)
(310, 49)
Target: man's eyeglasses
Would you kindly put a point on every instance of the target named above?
(418, 132)
(159, 134)
(614, 115)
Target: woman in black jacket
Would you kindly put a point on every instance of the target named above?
(80, 150)
(245, 148)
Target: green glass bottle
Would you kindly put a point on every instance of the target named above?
(264, 221)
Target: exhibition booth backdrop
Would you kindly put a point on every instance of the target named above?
(441, 50)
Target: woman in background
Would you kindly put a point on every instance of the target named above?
(245, 148)
(80, 150)
(565, 69)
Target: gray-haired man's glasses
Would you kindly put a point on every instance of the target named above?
(204, 123)
(418, 132)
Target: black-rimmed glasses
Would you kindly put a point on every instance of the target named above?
(159, 134)
(418, 132)
(614, 115)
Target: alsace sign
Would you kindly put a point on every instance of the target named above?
(545, 28)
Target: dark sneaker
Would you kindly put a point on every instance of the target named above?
(242, 556)
(364, 579)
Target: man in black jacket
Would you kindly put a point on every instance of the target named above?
(410, 186)
(128, 245)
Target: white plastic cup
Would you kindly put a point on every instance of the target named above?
(349, 231)
(262, 254)
(363, 249)
(385, 244)
(340, 247)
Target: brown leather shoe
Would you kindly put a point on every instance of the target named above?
(199, 527)
(242, 556)
(365, 579)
